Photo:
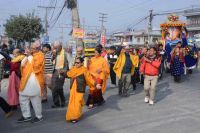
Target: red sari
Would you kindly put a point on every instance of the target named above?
(13, 86)
(14, 81)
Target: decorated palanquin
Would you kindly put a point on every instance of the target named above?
(174, 31)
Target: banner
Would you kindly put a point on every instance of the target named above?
(78, 33)
(103, 40)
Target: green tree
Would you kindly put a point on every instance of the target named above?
(24, 28)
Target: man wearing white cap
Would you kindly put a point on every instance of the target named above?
(124, 68)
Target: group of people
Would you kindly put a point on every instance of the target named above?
(32, 71)
(40, 67)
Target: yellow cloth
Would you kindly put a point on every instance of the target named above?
(60, 62)
(76, 99)
(36, 67)
(18, 58)
(119, 65)
(99, 63)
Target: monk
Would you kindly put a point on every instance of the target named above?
(32, 84)
(14, 79)
(80, 77)
(99, 69)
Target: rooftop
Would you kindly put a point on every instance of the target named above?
(192, 12)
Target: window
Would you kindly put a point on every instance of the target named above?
(138, 39)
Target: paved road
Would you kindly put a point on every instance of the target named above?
(177, 110)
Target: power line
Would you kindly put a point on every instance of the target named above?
(53, 10)
(46, 17)
(59, 14)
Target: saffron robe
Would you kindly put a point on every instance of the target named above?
(76, 99)
(99, 63)
(32, 68)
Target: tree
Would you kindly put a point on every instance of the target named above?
(24, 28)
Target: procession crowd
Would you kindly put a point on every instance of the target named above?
(39, 67)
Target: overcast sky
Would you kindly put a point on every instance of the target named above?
(122, 14)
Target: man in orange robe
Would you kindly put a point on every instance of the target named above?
(32, 84)
(99, 69)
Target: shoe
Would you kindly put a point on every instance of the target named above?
(113, 85)
(44, 101)
(125, 95)
(36, 120)
(146, 99)
(151, 102)
(101, 103)
(8, 114)
(55, 106)
(91, 106)
(22, 119)
(74, 121)
(62, 105)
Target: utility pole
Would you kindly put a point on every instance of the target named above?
(102, 18)
(150, 25)
(61, 32)
(46, 17)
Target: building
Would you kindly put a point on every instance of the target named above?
(193, 21)
(136, 38)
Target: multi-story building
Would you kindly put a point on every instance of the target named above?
(193, 21)
(136, 38)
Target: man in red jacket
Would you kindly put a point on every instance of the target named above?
(150, 69)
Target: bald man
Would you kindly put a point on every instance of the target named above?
(79, 53)
(58, 78)
(32, 84)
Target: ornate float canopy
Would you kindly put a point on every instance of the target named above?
(173, 21)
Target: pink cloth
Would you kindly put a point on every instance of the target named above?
(13, 94)
(48, 78)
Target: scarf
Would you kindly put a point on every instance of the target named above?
(19, 58)
(60, 63)
(152, 57)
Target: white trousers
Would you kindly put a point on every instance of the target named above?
(25, 105)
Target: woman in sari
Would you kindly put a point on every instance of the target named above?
(99, 69)
(14, 79)
(80, 78)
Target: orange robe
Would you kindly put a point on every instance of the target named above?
(76, 99)
(99, 63)
(36, 67)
